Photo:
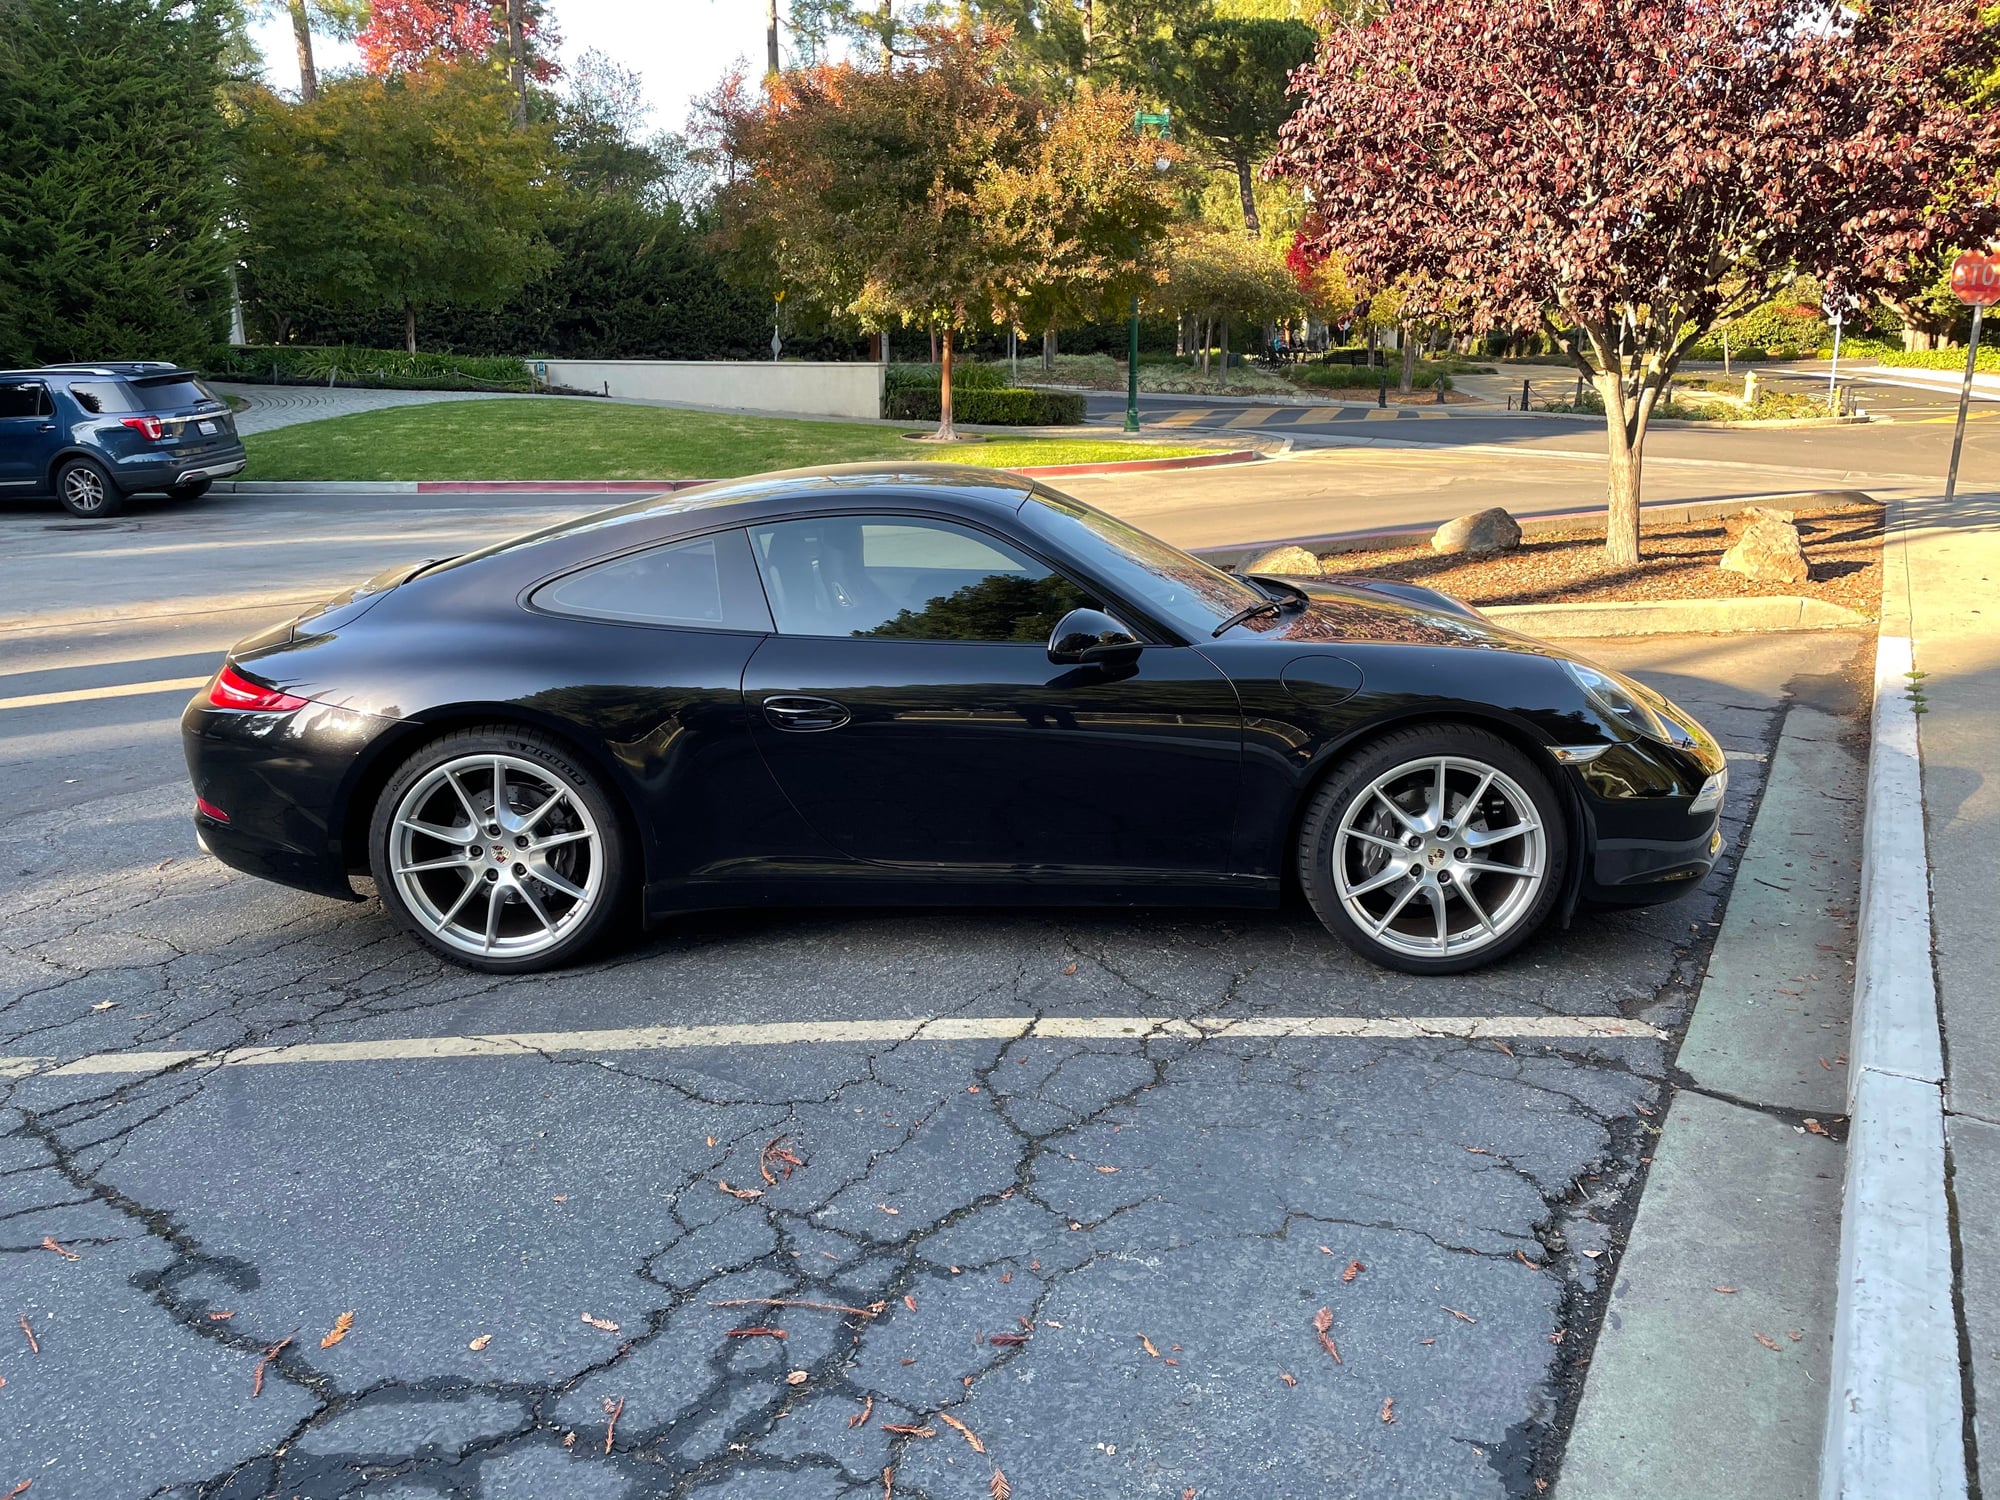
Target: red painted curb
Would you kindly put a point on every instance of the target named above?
(662, 486)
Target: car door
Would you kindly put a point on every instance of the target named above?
(909, 709)
(28, 436)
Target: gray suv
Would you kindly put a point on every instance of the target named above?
(92, 434)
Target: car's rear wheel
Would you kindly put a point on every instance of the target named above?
(498, 850)
(1434, 849)
(87, 491)
(194, 489)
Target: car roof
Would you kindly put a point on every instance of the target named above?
(106, 368)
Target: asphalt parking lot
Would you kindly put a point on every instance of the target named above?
(791, 1203)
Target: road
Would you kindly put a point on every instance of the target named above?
(1031, 1125)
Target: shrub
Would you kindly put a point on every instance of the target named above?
(969, 375)
(1360, 377)
(1000, 406)
(392, 369)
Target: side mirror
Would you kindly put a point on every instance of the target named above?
(1090, 637)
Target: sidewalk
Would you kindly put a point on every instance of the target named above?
(1954, 567)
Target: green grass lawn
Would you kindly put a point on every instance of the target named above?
(567, 439)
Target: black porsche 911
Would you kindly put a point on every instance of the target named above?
(922, 683)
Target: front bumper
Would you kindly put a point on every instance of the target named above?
(1650, 834)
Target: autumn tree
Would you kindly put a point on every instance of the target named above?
(1216, 277)
(1627, 172)
(515, 35)
(401, 193)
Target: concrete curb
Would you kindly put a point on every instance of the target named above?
(1896, 1403)
(1674, 616)
(668, 486)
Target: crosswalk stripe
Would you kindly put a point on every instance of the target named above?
(1188, 417)
(1255, 416)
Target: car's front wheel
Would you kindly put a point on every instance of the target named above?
(86, 490)
(1434, 849)
(499, 850)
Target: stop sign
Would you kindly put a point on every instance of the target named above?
(1975, 278)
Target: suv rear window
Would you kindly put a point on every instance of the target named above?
(103, 397)
(170, 391)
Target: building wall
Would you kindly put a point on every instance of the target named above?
(791, 388)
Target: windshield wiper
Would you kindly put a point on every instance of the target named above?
(1248, 612)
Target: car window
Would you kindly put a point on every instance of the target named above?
(708, 583)
(103, 396)
(171, 392)
(902, 578)
(27, 398)
(1182, 590)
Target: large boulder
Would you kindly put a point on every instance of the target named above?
(1482, 534)
(1767, 549)
(1285, 562)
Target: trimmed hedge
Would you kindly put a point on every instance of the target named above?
(1919, 359)
(1360, 377)
(391, 369)
(1000, 407)
(966, 375)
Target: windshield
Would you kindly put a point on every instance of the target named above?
(1182, 590)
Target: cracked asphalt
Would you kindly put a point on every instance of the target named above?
(1091, 1264)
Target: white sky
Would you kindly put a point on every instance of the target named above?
(681, 48)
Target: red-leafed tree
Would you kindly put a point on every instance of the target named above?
(402, 35)
(1627, 172)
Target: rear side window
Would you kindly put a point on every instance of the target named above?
(103, 397)
(708, 583)
(24, 399)
(171, 392)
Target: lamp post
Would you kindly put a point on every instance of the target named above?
(1163, 124)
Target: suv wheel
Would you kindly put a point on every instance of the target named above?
(86, 490)
(1434, 850)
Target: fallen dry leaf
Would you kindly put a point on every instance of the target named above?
(889, 1484)
(223, 1316)
(569, 1439)
(1323, 1250)
(19, 1489)
(1463, 1317)
(711, 1140)
(888, 1210)
(613, 1410)
(1825, 1064)
(860, 1418)
(34, 1346)
(1504, 1048)
(777, 1153)
(998, 1488)
(1354, 1269)
(342, 1326)
(1288, 1377)
(1768, 1342)
(797, 1377)
(745, 1193)
(1005, 1277)
(1389, 1410)
(1106, 1169)
(909, 1429)
(1815, 1127)
(48, 1243)
(756, 1333)
(105, 1005)
(605, 1323)
(560, 1197)
(1796, 1334)
(1727, 1291)
(957, 1426)
(909, 1302)
(257, 1378)
(1322, 1323)
(1188, 1493)
(1007, 1340)
(1070, 970)
(1147, 1344)
(480, 1343)
(1522, 1257)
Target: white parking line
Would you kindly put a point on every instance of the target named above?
(115, 690)
(792, 1033)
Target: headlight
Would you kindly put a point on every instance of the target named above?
(1710, 796)
(1623, 701)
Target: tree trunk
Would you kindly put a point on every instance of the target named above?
(409, 328)
(1621, 521)
(1250, 225)
(302, 36)
(934, 348)
(1408, 378)
(517, 58)
(1049, 350)
(1225, 348)
(887, 22)
(945, 433)
(770, 37)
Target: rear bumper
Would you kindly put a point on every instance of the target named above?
(157, 471)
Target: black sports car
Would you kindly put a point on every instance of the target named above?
(924, 683)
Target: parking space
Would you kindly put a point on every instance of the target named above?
(800, 1203)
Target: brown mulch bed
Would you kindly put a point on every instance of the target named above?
(1677, 560)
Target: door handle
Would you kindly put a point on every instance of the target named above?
(45, 427)
(801, 712)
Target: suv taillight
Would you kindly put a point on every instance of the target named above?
(231, 689)
(147, 426)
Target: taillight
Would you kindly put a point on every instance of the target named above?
(231, 689)
(210, 811)
(150, 427)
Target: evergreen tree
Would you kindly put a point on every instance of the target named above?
(112, 185)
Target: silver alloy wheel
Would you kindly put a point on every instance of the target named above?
(1440, 857)
(495, 856)
(83, 489)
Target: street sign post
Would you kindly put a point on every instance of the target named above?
(1975, 279)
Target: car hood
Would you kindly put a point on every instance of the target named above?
(1351, 611)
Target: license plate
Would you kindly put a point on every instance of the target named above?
(206, 429)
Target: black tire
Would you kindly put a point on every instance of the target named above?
(86, 491)
(194, 489)
(1348, 821)
(443, 778)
